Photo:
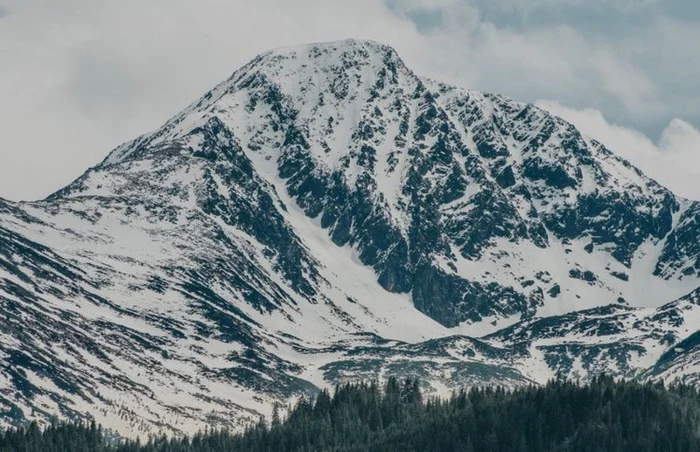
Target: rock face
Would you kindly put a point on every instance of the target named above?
(325, 214)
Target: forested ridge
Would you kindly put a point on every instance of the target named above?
(604, 415)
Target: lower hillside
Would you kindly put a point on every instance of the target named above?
(605, 415)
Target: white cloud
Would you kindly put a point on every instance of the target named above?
(80, 76)
(674, 161)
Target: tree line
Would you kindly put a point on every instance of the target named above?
(603, 415)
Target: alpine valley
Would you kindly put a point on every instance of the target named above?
(326, 215)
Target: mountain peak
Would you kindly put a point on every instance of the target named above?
(346, 53)
(364, 47)
(350, 55)
(347, 70)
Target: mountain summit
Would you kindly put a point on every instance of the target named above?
(326, 215)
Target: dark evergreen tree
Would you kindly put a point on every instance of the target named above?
(604, 415)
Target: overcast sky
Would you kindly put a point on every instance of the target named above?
(78, 77)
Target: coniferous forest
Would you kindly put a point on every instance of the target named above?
(604, 415)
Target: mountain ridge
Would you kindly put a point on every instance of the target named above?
(326, 215)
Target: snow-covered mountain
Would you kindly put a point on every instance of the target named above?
(326, 214)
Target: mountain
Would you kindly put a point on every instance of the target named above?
(327, 215)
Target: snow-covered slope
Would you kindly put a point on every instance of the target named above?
(623, 341)
(326, 214)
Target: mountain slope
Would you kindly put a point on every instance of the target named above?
(423, 180)
(325, 214)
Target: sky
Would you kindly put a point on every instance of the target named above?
(79, 77)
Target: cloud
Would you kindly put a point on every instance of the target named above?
(477, 44)
(674, 161)
(80, 76)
